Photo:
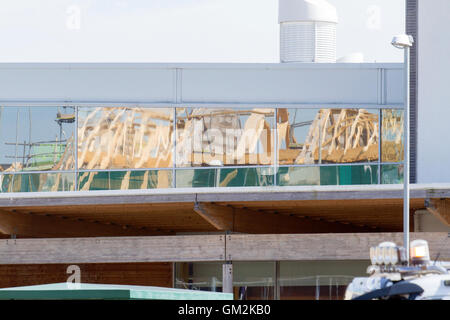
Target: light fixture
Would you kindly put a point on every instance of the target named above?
(420, 253)
(402, 41)
(386, 253)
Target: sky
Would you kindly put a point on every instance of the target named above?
(180, 30)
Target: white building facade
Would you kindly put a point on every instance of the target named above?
(433, 96)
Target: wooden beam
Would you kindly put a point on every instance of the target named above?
(32, 225)
(220, 217)
(113, 250)
(323, 246)
(440, 208)
(192, 248)
(227, 218)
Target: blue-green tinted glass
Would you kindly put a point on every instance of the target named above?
(224, 177)
(125, 180)
(392, 174)
(37, 182)
(200, 178)
(327, 175)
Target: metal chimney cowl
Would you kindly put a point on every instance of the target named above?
(307, 31)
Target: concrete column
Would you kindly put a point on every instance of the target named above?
(227, 279)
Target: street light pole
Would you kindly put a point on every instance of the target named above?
(405, 42)
(406, 165)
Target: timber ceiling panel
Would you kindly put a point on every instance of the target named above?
(169, 218)
(385, 214)
(376, 214)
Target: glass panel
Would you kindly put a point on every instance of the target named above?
(124, 180)
(216, 137)
(125, 138)
(206, 276)
(318, 280)
(311, 136)
(36, 138)
(392, 136)
(254, 280)
(37, 182)
(246, 177)
(392, 174)
(298, 176)
(225, 177)
(201, 178)
(327, 175)
(251, 280)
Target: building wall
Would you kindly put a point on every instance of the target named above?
(411, 29)
(144, 274)
(433, 92)
(222, 115)
(202, 83)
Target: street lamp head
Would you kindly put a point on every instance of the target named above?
(402, 41)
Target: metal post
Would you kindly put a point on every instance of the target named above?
(275, 148)
(406, 167)
(320, 142)
(317, 288)
(227, 279)
(213, 284)
(330, 288)
(75, 149)
(17, 141)
(29, 135)
(380, 123)
(174, 149)
(277, 291)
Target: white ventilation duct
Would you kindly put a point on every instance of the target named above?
(307, 31)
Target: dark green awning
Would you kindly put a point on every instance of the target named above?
(83, 291)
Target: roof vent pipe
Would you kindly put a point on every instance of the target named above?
(307, 31)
